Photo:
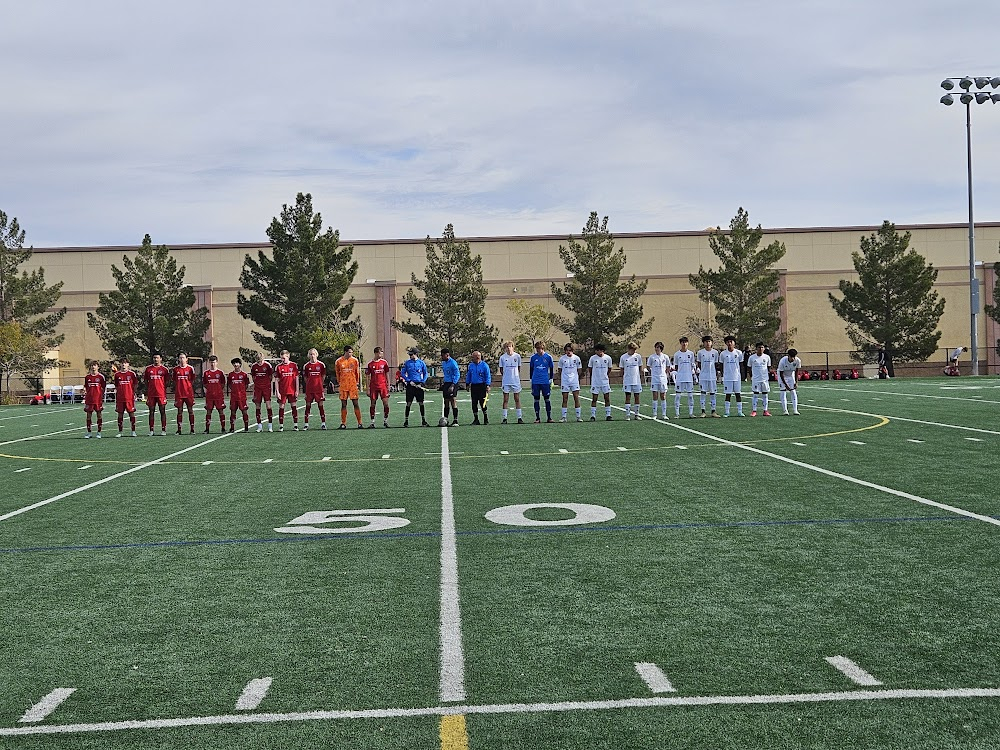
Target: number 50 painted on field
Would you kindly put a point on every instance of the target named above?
(384, 519)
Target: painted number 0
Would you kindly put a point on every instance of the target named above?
(369, 520)
(516, 515)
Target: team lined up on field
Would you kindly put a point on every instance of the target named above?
(682, 370)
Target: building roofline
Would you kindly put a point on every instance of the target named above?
(514, 238)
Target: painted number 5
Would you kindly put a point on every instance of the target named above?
(361, 520)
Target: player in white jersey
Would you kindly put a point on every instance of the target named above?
(788, 373)
(731, 359)
(631, 366)
(759, 365)
(600, 365)
(510, 372)
(683, 377)
(569, 380)
(707, 359)
(659, 377)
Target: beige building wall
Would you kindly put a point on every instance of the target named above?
(524, 267)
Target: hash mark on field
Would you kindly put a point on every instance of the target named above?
(801, 444)
(206, 463)
(267, 460)
(974, 440)
(855, 442)
(852, 671)
(46, 705)
(653, 676)
(504, 453)
(622, 449)
(913, 440)
(563, 450)
(88, 466)
(18, 471)
(682, 447)
(327, 458)
(384, 455)
(253, 694)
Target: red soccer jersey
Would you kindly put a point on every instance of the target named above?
(288, 378)
(156, 377)
(93, 388)
(378, 375)
(126, 384)
(263, 374)
(183, 382)
(215, 384)
(315, 374)
(238, 382)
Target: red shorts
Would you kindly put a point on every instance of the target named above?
(122, 406)
(215, 403)
(314, 396)
(284, 398)
(152, 401)
(259, 396)
(238, 404)
(179, 402)
(93, 407)
(378, 392)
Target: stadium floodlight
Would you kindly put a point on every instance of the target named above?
(967, 98)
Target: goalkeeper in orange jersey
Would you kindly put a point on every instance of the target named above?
(348, 371)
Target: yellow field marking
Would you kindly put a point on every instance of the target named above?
(883, 421)
(453, 733)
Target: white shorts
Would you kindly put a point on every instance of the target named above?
(731, 386)
(511, 388)
(783, 387)
(682, 386)
(708, 385)
(764, 387)
(569, 387)
(596, 389)
(658, 386)
(632, 388)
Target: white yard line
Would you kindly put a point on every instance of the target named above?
(906, 395)
(44, 414)
(509, 708)
(907, 419)
(452, 687)
(46, 705)
(834, 474)
(47, 434)
(653, 676)
(253, 694)
(852, 671)
(99, 482)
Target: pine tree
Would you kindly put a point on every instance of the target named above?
(451, 309)
(744, 289)
(605, 308)
(892, 303)
(297, 294)
(151, 309)
(25, 297)
(994, 310)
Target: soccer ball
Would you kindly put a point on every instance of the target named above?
(443, 422)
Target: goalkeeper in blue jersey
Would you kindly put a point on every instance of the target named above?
(542, 371)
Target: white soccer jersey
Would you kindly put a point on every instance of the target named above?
(707, 359)
(510, 366)
(787, 370)
(569, 369)
(659, 366)
(731, 365)
(600, 366)
(759, 366)
(684, 365)
(631, 365)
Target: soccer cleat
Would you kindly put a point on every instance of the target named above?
(475, 421)
(537, 420)
(424, 423)
(178, 431)
(270, 427)
(715, 414)
(305, 427)
(207, 430)
(385, 423)
(563, 420)
(191, 431)
(677, 415)
(520, 421)
(726, 414)
(406, 423)
(455, 423)
(133, 434)
(295, 427)
(86, 435)
(607, 418)
(767, 413)
(796, 414)
(151, 433)
(360, 426)
(281, 428)
(579, 419)
(323, 426)
(343, 426)
(784, 413)
(97, 435)
(118, 435)
(703, 415)
(486, 420)
(163, 433)
(628, 417)
(593, 419)
(260, 427)
(753, 413)
(504, 421)
(371, 426)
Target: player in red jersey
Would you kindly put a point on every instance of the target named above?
(126, 384)
(263, 377)
(378, 386)
(183, 377)
(155, 378)
(287, 373)
(214, 382)
(237, 381)
(94, 386)
(314, 373)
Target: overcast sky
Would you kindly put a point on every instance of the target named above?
(196, 121)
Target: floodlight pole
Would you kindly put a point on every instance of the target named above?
(973, 279)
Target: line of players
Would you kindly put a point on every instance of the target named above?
(682, 370)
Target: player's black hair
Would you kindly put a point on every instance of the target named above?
(705, 338)
(728, 339)
(157, 353)
(759, 343)
(348, 346)
(236, 361)
(444, 351)
(658, 344)
(682, 340)
(212, 358)
(793, 352)
(600, 348)
(567, 346)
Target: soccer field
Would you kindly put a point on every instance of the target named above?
(823, 581)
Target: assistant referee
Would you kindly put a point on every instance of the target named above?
(478, 378)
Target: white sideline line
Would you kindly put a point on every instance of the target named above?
(803, 445)
(46, 705)
(653, 676)
(18, 471)
(99, 482)
(913, 440)
(834, 474)
(855, 442)
(906, 419)
(508, 708)
(253, 694)
(852, 671)
(974, 440)
(88, 466)
(452, 687)
(37, 437)
(25, 416)
(906, 395)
